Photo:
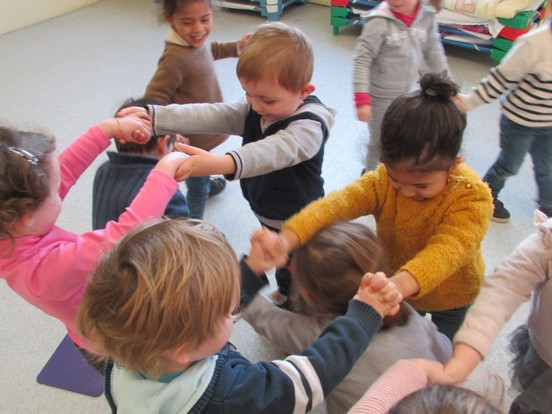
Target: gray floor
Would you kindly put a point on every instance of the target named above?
(67, 73)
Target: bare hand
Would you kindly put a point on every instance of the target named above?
(379, 292)
(364, 113)
(171, 162)
(272, 245)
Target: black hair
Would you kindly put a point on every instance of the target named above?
(424, 126)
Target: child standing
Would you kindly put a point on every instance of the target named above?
(326, 274)
(397, 37)
(118, 180)
(284, 129)
(523, 80)
(170, 319)
(186, 74)
(47, 266)
(524, 275)
(431, 211)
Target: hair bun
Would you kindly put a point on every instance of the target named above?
(438, 85)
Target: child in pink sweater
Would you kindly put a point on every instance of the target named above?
(47, 266)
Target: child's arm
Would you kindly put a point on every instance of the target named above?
(76, 158)
(403, 378)
(300, 382)
(202, 163)
(229, 49)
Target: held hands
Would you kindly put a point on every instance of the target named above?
(259, 260)
(170, 163)
(273, 246)
(379, 292)
(127, 129)
(364, 113)
(140, 113)
(201, 163)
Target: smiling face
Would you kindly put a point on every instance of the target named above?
(193, 22)
(272, 101)
(416, 185)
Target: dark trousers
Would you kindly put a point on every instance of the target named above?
(448, 322)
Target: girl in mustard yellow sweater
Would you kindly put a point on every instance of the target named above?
(431, 212)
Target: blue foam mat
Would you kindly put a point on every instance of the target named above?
(67, 369)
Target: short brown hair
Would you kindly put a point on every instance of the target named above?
(331, 265)
(25, 171)
(277, 52)
(164, 285)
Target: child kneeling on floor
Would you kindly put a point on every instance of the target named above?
(161, 305)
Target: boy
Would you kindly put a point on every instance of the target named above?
(283, 127)
(118, 180)
(170, 316)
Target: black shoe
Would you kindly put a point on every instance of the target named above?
(500, 214)
(216, 186)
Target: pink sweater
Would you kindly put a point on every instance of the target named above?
(402, 379)
(51, 271)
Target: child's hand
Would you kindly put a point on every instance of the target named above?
(379, 292)
(272, 245)
(136, 111)
(181, 139)
(463, 361)
(170, 163)
(258, 260)
(203, 163)
(127, 129)
(243, 42)
(364, 113)
(434, 370)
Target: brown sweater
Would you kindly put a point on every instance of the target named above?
(187, 75)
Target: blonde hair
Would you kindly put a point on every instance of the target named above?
(164, 285)
(277, 52)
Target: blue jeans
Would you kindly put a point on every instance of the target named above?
(197, 195)
(516, 141)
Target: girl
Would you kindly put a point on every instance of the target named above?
(431, 212)
(524, 275)
(186, 74)
(327, 272)
(47, 266)
(397, 37)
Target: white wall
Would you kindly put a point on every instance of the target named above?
(15, 14)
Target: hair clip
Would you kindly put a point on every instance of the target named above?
(31, 159)
(430, 92)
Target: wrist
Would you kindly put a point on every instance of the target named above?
(110, 127)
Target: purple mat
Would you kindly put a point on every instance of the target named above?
(67, 369)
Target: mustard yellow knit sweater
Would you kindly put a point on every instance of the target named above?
(438, 241)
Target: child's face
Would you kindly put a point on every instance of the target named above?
(272, 101)
(417, 185)
(193, 22)
(44, 217)
(403, 6)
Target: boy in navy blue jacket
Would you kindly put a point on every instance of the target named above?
(170, 318)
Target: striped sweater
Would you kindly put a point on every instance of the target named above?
(523, 79)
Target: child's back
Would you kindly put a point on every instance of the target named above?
(118, 180)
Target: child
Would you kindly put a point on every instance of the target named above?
(398, 35)
(47, 266)
(284, 130)
(431, 212)
(170, 317)
(326, 273)
(405, 389)
(523, 80)
(524, 275)
(186, 74)
(118, 180)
